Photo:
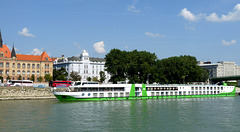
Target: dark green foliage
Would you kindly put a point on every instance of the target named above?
(75, 77)
(142, 66)
(89, 79)
(48, 78)
(19, 77)
(60, 74)
(33, 78)
(40, 79)
(102, 76)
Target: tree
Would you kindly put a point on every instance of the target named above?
(48, 78)
(40, 79)
(74, 76)
(95, 79)
(1, 79)
(89, 79)
(60, 74)
(102, 76)
(8, 78)
(33, 78)
(115, 65)
(19, 77)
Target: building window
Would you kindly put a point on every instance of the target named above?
(28, 65)
(23, 78)
(38, 66)
(18, 72)
(28, 72)
(33, 65)
(37, 72)
(18, 65)
(23, 72)
(1, 64)
(33, 72)
(7, 71)
(7, 64)
(13, 65)
(46, 59)
(13, 72)
(23, 65)
(1, 71)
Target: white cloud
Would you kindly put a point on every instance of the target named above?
(231, 16)
(36, 51)
(77, 45)
(154, 35)
(99, 47)
(133, 9)
(189, 15)
(226, 43)
(25, 33)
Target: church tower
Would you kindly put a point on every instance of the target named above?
(13, 54)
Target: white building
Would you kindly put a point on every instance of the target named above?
(84, 65)
(221, 69)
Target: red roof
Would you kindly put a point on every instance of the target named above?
(41, 57)
(6, 51)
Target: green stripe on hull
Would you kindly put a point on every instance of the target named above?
(70, 98)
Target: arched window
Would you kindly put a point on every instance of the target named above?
(28, 72)
(37, 72)
(28, 65)
(18, 65)
(46, 59)
(13, 72)
(1, 64)
(33, 65)
(23, 78)
(23, 72)
(38, 66)
(13, 65)
(23, 65)
(18, 72)
(33, 72)
(7, 64)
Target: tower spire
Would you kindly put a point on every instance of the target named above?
(1, 41)
(13, 53)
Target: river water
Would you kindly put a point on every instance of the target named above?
(217, 114)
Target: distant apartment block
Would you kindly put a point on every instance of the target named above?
(221, 69)
(84, 65)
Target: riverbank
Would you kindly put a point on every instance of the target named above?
(24, 93)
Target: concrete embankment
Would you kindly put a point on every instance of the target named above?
(12, 93)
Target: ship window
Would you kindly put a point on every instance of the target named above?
(109, 94)
(101, 94)
(157, 93)
(115, 94)
(121, 95)
(221, 88)
(94, 94)
(152, 94)
(162, 93)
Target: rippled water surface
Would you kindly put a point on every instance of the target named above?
(166, 115)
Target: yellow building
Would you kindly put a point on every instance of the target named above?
(13, 66)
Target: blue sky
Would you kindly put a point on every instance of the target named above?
(206, 29)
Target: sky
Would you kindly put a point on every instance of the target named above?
(206, 29)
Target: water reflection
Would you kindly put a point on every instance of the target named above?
(191, 114)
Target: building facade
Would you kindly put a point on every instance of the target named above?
(221, 69)
(84, 65)
(18, 66)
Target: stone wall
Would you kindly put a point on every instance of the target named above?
(25, 93)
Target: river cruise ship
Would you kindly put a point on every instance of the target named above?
(97, 92)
